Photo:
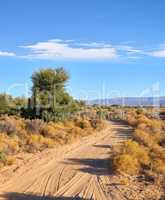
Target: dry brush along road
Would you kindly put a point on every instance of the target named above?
(76, 171)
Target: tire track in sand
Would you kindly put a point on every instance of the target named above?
(79, 172)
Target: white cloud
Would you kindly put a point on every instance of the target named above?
(159, 53)
(7, 54)
(129, 49)
(71, 49)
(94, 44)
(58, 49)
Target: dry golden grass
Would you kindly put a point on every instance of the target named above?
(146, 151)
(144, 138)
(18, 134)
(158, 166)
(126, 163)
(135, 150)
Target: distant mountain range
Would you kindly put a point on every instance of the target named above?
(130, 101)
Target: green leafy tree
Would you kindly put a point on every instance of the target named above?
(20, 102)
(6, 103)
(49, 94)
(47, 84)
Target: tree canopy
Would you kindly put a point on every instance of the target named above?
(47, 78)
(49, 95)
(49, 101)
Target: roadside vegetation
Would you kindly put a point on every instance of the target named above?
(144, 154)
(23, 135)
(49, 118)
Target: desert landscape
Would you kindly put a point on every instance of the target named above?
(82, 100)
(90, 152)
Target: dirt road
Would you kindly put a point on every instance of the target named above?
(77, 171)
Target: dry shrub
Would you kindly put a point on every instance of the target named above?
(142, 119)
(77, 131)
(126, 163)
(8, 126)
(142, 126)
(156, 126)
(66, 125)
(162, 141)
(10, 160)
(34, 143)
(151, 125)
(2, 157)
(47, 142)
(146, 153)
(48, 131)
(131, 119)
(124, 181)
(34, 126)
(8, 145)
(98, 124)
(18, 134)
(158, 166)
(135, 150)
(157, 152)
(143, 137)
(83, 124)
(13, 147)
(34, 138)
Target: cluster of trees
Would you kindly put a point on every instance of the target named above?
(11, 105)
(49, 101)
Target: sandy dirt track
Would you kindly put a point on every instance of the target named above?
(77, 171)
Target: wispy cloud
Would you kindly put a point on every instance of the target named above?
(71, 49)
(7, 54)
(129, 49)
(160, 52)
(94, 44)
(68, 49)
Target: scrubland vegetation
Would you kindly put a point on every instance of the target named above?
(21, 135)
(49, 118)
(144, 154)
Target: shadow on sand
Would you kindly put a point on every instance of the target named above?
(99, 167)
(103, 146)
(19, 196)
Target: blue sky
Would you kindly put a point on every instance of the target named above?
(109, 47)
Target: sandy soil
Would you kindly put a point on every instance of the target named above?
(77, 171)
